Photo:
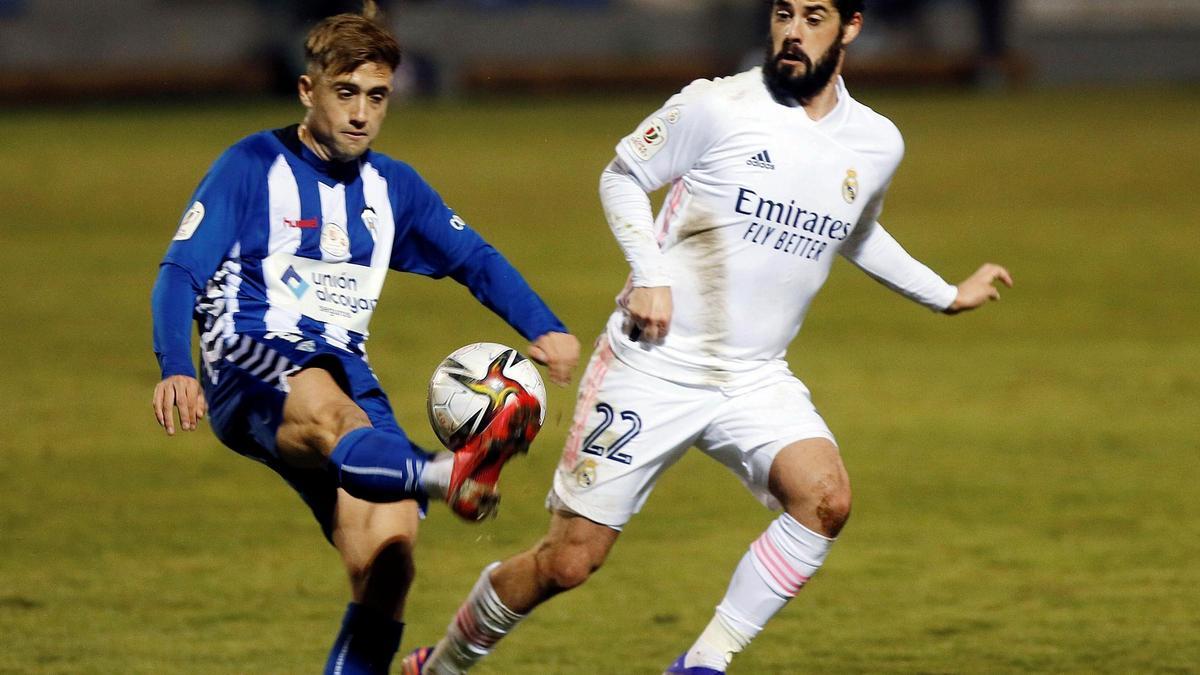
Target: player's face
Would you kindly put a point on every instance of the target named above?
(345, 111)
(805, 51)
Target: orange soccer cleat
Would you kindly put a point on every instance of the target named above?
(472, 492)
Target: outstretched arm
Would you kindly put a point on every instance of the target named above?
(878, 254)
(979, 288)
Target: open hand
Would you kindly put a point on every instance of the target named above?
(979, 288)
(559, 352)
(182, 392)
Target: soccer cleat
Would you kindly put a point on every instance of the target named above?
(678, 668)
(472, 492)
(414, 663)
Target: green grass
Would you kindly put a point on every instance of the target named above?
(1025, 477)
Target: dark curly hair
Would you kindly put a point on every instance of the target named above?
(847, 8)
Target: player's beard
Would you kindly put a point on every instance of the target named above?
(815, 77)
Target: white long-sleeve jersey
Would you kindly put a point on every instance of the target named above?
(762, 199)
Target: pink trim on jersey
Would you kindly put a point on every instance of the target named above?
(785, 576)
(465, 619)
(673, 200)
(587, 398)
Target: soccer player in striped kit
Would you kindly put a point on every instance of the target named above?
(774, 172)
(280, 260)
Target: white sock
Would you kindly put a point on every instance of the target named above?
(721, 639)
(775, 568)
(435, 477)
(480, 622)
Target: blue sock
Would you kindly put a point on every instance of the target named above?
(366, 644)
(379, 466)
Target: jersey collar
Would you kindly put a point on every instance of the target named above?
(343, 172)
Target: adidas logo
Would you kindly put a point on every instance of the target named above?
(762, 160)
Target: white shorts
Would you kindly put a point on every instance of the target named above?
(630, 426)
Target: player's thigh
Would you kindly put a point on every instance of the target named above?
(316, 413)
(754, 426)
(629, 427)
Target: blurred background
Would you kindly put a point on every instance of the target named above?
(65, 49)
(1025, 476)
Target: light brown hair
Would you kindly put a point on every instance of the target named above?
(340, 44)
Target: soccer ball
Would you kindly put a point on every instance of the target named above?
(471, 385)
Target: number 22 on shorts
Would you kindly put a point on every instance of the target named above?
(591, 445)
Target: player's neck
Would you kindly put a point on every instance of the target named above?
(823, 102)
(311, 143)
(816, 106)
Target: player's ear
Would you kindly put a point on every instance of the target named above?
(851, 28)
(305, 88)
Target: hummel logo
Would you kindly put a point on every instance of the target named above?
(762, 160)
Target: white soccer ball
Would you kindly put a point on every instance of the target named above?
(471, 385)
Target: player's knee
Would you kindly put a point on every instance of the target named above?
(833, 504)
(335, 421)
(319, 431)
(825, 500)
(565, 567)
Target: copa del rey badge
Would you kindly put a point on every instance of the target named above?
(648, 140)
(190, 222)
(850, 186)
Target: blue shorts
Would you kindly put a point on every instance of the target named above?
(245, 405)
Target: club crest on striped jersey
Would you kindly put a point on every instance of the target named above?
(190, 222)
(850, 186)
(648, 140)
(335, 241)
(370, 219)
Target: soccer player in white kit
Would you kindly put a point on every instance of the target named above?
(773, 173)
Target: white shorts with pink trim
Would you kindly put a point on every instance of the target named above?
(629, 427)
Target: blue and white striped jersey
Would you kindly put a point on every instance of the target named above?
(279, 243)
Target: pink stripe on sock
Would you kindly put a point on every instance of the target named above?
(772, 558)
(792, 572)
(470, 630)
(760, 553)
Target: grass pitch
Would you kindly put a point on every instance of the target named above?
(1025, 476)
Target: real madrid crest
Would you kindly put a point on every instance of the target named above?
(850, 186)
(335, 242)
(585, 473)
